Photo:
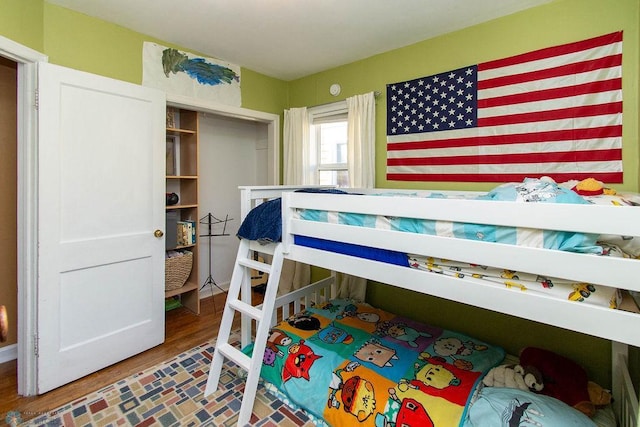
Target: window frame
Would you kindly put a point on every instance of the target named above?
(328, 113)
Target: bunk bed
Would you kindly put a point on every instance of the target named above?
(612, 273)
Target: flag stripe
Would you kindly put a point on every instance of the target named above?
(559, 156)
(556, 51)
(563, 70)
(561, 92)
(531, 168)
(532, 147)
(552, 104)
(549, 136)
(496, 177)
(550, 83)
(565, 113)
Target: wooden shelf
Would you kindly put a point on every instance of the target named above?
(189, 286)
(174, 131)
(184, 247)
(179, 206)
(185, 184)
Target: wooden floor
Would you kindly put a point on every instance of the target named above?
(183, 330)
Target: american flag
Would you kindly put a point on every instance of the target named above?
(554, 112)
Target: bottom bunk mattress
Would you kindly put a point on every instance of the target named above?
(349, 363)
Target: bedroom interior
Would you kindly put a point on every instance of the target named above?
(52, 33)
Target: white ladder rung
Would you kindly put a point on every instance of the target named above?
(256, 265)
(245, 308)
(232, 353)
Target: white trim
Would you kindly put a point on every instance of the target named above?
(27, 122)
(8, 353)
(272, 121)
(331, 109)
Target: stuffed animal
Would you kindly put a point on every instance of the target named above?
(592, 187)
(514, 376)
(565, 380)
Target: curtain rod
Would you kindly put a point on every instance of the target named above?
(376, 94)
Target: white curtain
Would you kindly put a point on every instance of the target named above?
(296, 167)
(297, 170)
(296, 146)
(361, 140)
(361, 156)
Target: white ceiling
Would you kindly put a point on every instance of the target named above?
(288, 39)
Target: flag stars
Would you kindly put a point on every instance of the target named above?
(439, 102)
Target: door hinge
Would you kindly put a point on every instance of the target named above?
(35, 345)
(37, 99)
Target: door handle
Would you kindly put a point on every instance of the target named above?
(158, 233)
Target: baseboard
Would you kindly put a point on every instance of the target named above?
(8, 353)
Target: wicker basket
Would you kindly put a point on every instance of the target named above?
(177, 270)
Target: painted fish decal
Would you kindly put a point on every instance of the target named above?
(174, 61)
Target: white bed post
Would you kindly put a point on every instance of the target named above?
(246, 337)
(625, 400)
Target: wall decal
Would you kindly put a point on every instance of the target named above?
(182, 73)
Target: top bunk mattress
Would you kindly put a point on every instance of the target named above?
(264, 223)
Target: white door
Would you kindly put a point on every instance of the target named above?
(100, 199)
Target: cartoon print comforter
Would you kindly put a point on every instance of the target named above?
(561, 288)
(352, 364)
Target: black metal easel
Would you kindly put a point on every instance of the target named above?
(209, 220)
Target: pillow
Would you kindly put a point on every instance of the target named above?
(532, 190)
(628, 244)
(497, 406)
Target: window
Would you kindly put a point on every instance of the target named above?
(329, 144)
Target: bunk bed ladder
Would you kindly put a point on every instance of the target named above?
(263, 317)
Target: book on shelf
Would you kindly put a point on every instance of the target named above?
(186, 233)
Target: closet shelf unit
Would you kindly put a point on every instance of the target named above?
(182, 179)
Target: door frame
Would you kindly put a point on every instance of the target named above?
(27, 209)
(27, 192)
(271, 120)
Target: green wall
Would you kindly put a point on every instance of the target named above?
(21, 21)
(77, 41)
(561, 21)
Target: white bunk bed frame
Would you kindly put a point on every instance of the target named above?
(621, 327)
